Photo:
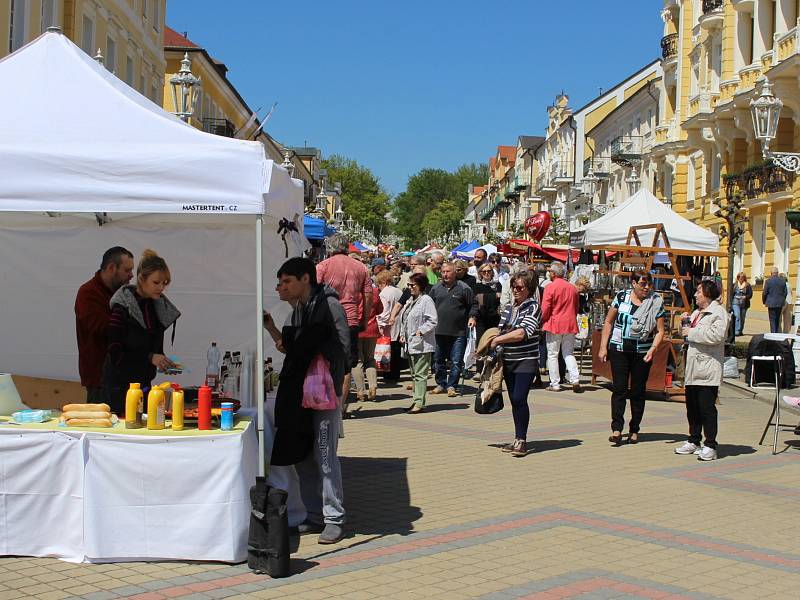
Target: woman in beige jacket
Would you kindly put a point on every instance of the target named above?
(705, 335)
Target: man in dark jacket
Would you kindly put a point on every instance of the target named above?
(309, 438)
(774, 297)
(456, 309)
(92, 313)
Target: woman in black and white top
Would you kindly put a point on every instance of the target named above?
(519, 339)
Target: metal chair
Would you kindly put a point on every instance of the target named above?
(777, 370)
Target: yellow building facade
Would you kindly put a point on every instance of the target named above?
(715, 54)
(128, 34)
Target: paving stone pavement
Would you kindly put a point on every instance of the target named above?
(437, 511)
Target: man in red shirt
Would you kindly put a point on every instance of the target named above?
(559, 317)
(92, 312)
(351, 281)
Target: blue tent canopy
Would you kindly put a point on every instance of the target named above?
(459, 247)
(316, 229)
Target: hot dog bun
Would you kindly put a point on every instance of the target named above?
(89, 414)
(86, 408)
(89, 423)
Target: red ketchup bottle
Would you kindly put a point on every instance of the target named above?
(204, 407)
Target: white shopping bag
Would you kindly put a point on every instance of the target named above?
(469, 353)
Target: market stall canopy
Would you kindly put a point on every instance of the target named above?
(643, 208)
(556, 253)
(489, 248)
(316, 229)
(75, 138)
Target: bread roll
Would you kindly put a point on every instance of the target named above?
(86, 408)
(89, 414)
(89, 423)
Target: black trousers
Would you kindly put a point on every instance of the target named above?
(701, 411)
(625, 366)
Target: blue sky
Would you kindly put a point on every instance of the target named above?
(403, 85)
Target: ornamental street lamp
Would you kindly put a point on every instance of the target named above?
(321, 201)
(493, 222)
(766, 113)
(185, 89)
(350, 223)
(633, 182)
(287, 161)
(589, 184)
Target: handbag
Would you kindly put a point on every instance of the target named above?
(469, 353)
(318, 390)
(383, 354)
(492, 405)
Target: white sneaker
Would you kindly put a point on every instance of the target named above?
(698, 451)
(687, 448)
(707, 453)
(553, 388)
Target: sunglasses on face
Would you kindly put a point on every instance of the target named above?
(411, 285)
(644, 284)
(487, 272)
(518, 288)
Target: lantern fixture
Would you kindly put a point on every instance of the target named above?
(322, 201)
(350, 223)
(493, 221)
(185, 89)
(633, 182)
(766, 113)
(589, 184)
(287, 161)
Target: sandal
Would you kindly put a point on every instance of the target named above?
(633, 438)
(616, 439)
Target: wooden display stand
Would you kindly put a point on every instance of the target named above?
(639, 257)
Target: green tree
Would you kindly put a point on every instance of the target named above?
(434, 201)
(363, 197)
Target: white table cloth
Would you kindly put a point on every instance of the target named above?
(101, 497)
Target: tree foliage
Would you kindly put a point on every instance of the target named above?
(434, 201)
(363, 197)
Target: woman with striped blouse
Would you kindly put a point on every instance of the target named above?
(519, 339)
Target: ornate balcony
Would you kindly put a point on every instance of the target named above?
(221, 127)
(713, 14)
(600, 166)
(626, 148)
(669, 47)
(563, 171)
(758, 180)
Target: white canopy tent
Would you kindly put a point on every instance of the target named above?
(76, 143)
(643, 208)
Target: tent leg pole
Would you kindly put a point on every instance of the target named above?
(260, 346)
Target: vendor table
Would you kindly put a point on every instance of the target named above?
(111, 494)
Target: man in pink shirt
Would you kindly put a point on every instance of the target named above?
(559, 317)
(352, 283)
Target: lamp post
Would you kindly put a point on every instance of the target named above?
(321, 202)
(633, 182)
(733, 229)
(766, 113)
(589, 184)
(185, 89)
(287, 161)
(493, 223)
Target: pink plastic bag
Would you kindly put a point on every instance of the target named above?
(318, 390)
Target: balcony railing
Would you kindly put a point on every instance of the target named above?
(712, 5)
(221, 127)
(562, 171)
(626, 148)
(520, 183)
(758, 180)
(600, 165)
(669, 46)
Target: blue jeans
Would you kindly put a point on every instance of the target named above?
(518, 386)
(739, 312)
(449, 349)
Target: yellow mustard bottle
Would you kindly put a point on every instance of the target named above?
(134, 400)
(177, 410)
(156, 405)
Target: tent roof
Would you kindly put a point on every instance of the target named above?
(643, 208)
(75, 138)
(316, 229)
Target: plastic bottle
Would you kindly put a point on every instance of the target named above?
(226, 418)
(204, 407)
(156, 405)
(212, 370)
(134, 401)
(177, 410)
